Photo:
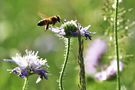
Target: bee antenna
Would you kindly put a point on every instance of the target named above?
(58, 17)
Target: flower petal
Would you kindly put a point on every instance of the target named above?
(41, 72)
(24, 73)
(20, 61)
(38, 79)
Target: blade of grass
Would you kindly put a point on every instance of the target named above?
(116, 43)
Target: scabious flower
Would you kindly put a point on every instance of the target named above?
(110, 71)
(92, 58)
(72, 29)
(93, 55)
(29, 64)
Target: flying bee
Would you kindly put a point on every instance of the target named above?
(47, 21)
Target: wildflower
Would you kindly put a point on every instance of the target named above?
(72, 29)
(93, 55)
(29, 64)
(91, 61)
(109, 72)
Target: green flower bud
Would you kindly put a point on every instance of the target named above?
(69, 28)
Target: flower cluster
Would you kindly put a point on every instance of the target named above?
(29, 64)
(72, 29)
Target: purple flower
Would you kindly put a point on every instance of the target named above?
(29, 64)
(72, 29)
(93, 54)
(110, 71)
(91, 61)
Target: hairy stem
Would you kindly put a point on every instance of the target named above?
(116, 44)
(25, 84)
(81, 65)
(64, 64)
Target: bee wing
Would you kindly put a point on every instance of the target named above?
(42, 15)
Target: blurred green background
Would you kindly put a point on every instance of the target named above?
(19, 31)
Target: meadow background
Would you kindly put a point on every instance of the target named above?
(19, 31)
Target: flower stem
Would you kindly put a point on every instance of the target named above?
(116, 44)
(64, 64)
(81, 65)
(25, 83)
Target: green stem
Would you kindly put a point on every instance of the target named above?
(64, 64)
(116, 44)
(81, 64)
(25, 83)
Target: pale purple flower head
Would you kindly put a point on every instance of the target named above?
(72, 29)
(91, 61)
(93, 54)
(29, 64)
(110, 71)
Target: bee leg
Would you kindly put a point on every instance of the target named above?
(47, 26)
(53, 23)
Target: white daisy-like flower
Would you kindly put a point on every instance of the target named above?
(72, 29)
(29, 64)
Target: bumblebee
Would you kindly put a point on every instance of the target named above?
(47, 21)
